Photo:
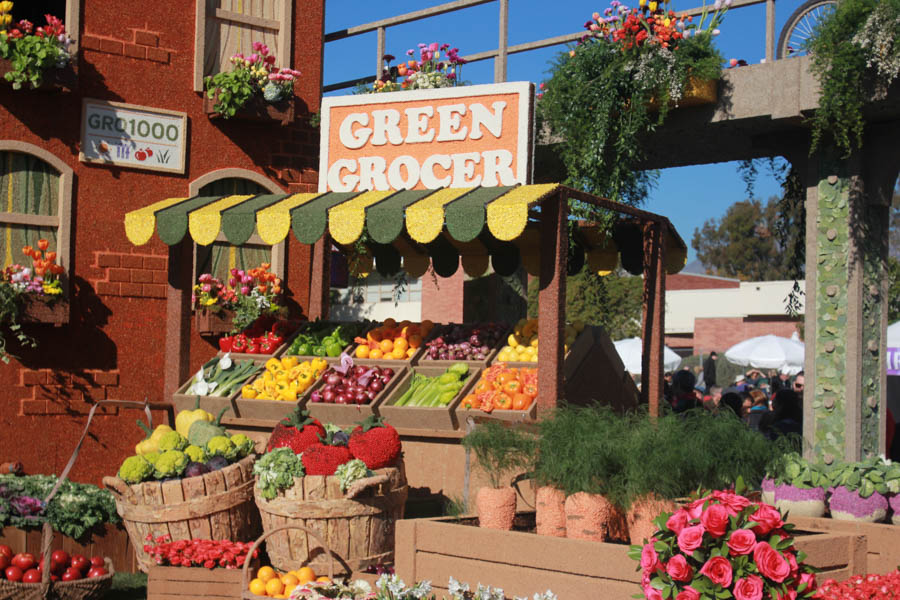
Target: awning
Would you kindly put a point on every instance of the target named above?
(404, 228)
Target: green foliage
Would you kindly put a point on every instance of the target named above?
(865, 477)
(231, 90)
(849, 67)
(598, 102)
(74, 510)
(249, 307)
(275, 471)
(30, 56)
(893, 289)
(10, 310)
(613, 302)
(500, 450)
(793, 469)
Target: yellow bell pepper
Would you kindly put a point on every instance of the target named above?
(273, 364)
(185, 418)
(151, 442)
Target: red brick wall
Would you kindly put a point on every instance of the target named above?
(721, 333)
(687, 281)
(114, 346)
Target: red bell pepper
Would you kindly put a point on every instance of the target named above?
(266, 346)
(225, 343)
(239, 343)
(252, 347)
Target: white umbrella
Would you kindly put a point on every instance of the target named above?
(631, 349)
(768, 352)
(893, 335)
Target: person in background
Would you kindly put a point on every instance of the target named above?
(758, 410)
(684, 397)
(731, 404)
(782, 382)
(799, 383)
(786, 416)
(753, 376)
(709, 370)
(746, 405)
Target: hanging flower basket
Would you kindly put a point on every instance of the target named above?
(36, 309)
(63, 79)
(697, 92)
(257, 109)
(208, 322)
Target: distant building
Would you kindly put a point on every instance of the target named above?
(705, 313)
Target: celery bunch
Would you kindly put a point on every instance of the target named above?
(435, 391)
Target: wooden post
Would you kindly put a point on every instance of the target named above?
(320, 278)
(552, 300)
(178, 316)
(653, 334)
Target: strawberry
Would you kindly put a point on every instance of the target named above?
(326, 456)
(375, 443)
(297, 431)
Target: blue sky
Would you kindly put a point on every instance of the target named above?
(687, 196)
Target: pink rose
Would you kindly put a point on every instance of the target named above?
(651, 593)
(770, 563)
(791, 594)
(677, 521)
(688, 593)
(679, 569)
(792, 561)
(715, 520)
(809, 579)
(741, 542)
(718, 569)
(748, 588)
(768, 518)
(690, 538)
(649, 558)
(733, 502)
(696, 507)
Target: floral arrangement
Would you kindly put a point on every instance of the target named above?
(723, 545)
(198, 553)
(32, 51)
(429, 72)
(391, 587)
(861, 587)
(250, 294)
(250, 76)
(42, 278)
(616, 85)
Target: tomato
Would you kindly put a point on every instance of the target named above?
(81, 562)
(469, 401)
(60, 556)
(502, 401)
(71, 574)
(13, 573)
(521, 402)
(4, 562)
(6, 551)
(96, 561)
(512, 387)
(23, 560)
(31, 576)
(96, 572)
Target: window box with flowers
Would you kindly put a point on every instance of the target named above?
(253, 90)
(427, 73)
(35, 58)
(248, 295)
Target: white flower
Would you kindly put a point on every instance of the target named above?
(456, 588)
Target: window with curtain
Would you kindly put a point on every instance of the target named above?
(220, 257)
(29, 193)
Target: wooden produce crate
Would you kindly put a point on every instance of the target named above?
(271, 410)
(421, 358)
(348, 414)
(212, 404)
(881, 538)
(424, 417)
(106, 540)
(512, 416)
(181, 583)
(211, 323)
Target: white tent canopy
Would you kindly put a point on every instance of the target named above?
(769, 352)
(893, 335)
(631, 349)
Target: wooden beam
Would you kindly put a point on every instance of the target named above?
(653, 334)
(262, 23)
(552, 301)
(23, 219)
(404, 18)
(320, 278)
(178, 316)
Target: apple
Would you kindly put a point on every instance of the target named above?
(23, 560)
(81, 562)
(31, 576)
(97, 561)
(4, 562)
(71, 574)
(13, 574)
(60, 556)
(6, 551)
(96, 572)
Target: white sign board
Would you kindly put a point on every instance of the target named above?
(139, 137)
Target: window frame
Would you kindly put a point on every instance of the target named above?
(278, 266)
(63, 219)
(285, 32)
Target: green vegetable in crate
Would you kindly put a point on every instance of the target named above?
(221, 445)
(151, 442)
(245, 446)
(202, 431)
(171, 463)
(276, 470)
(135, 469)
(172, 441)
(196, 454)
(434, 391)
(320, 339)
(222, 376)
(350, 471)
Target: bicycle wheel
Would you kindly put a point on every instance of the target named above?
(800, 27)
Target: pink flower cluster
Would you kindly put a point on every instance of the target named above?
(262, 66)
(862, 587)
(723, 542)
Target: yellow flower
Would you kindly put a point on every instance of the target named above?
(209, 301)
(5, 6)
(653, 6)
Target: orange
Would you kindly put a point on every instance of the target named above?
(306, 574)
(386, 346)
(398, 353)
(410, 353)
(274, 587)
(323, 579)
(258, 587)
(288, 589)
(401, 343)
(265, 573)
(376, 353)
(362, 351)
(290, 579)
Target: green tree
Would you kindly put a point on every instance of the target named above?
(893, 289)
(614, 302)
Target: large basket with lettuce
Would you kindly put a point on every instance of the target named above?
(348, 486)
(193, 482)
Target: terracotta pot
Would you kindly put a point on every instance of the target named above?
(592, 517)
(847, 505)
(642, 513)
(768, 491)
(496, 507)
(800, 502)
(894, 502)
(550, 511)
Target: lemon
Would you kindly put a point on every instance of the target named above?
(512, 341)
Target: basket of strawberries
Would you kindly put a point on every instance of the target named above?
(347, 484)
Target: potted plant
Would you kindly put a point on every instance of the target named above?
(29, 55)
(500, 450)
(254, 88)
(891, 473)
(247, 296)
(617, 85)
(859, 492)
(799, 486)
(429, 72)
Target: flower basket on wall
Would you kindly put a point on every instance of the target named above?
(36, 309)
(55, 80)
(257, 109)
(697, 92)
(208, 322)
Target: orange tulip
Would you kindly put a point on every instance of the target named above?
(43, 244)
(51, 256)
(36, 255)
(27, 250)
(40, 271)
(57, 269)
(401, 69)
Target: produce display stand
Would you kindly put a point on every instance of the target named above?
(309, 533)
(426, 417)
(181, 583)
(422, 360)
(344, 415)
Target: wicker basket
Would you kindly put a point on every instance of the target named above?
(245, 572)
(215, 506)
(81, 589)
(357, 526)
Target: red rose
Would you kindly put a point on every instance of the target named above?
(768, 518)
(741, 541)
(690, 538)
(688, 593)
(792, 562)
(748, 588)
(733, 502)
(809, 579)
(718, 569)
(651, 593)
(696, 507)
(649, 558)
(770, 563)
(715, 520)
(679, 569)
(678, 521)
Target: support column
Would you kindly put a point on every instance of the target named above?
(552, 301)
(320, 279)
(178, 316)
(654, 317)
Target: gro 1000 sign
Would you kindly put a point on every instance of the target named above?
(140, 127)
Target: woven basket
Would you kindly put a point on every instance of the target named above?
(245, 579)
(81, 589)
(214, 506)
(358, 526)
